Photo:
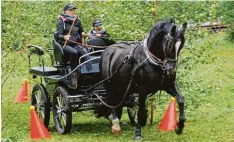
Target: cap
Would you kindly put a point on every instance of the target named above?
(97, 22)
(69, 6)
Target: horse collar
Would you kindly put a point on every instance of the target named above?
(152, 58)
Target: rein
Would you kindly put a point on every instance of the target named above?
(101, 47)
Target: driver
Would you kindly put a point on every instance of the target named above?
(68, 32)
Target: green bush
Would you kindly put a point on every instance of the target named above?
(226, 13)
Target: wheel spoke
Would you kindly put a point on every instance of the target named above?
(61, 120)
(37, 99)
(41, 100)
(42, 114)
(63, 109)
(58, 100)
(62, 102)
(57, 116)
(57, 107)
(42, 107)
(64, 117)
(38, 112)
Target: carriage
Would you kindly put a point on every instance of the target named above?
(142, 68)
(54, 93)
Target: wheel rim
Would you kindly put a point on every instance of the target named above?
(39, 104)
(60, 111)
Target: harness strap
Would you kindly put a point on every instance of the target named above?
(134, 71)
(151, 60)
(126, 59)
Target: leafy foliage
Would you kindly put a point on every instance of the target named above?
(33, 22)
(227, 10)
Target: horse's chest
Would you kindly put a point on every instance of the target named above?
(125, 71)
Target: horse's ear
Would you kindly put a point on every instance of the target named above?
(171, 20)
(184, 26)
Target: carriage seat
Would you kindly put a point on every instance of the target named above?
(41, 70)
(59, 56)
(61, 59)
(47, 71)
(97, 42)
(101, 42)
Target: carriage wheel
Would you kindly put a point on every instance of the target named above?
(62, 111)
(40, 100)
(132, 112)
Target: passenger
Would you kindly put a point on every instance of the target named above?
(98, 35)
(68, 32)
(98, 30)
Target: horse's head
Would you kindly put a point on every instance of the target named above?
(172, 49)
(164, 42)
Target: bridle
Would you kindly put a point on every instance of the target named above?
(167, 43)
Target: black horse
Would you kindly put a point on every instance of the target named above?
(143, 68)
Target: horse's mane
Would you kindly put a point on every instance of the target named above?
(158, 28)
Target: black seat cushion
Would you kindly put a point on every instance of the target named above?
(47, 71)
(100, 41)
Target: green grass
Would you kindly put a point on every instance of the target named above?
(212, 120)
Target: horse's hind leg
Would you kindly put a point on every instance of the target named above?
(113, 99)
(174, 92)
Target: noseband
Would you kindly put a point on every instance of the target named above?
(167, 43)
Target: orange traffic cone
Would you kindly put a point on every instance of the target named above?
(22, 95)
(37, 128)
(170, 119)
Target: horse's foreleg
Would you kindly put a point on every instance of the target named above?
(174, 92)
(115, 113)
(141, 116)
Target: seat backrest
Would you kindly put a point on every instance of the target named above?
(97, 42)
(58, 50)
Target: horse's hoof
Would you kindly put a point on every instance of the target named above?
(115, 132)
(139, 138)
(116, 129)
(178, 131)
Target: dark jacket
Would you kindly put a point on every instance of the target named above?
(63, 28)
(92, 33)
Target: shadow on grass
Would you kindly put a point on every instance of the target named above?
(97, 127)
